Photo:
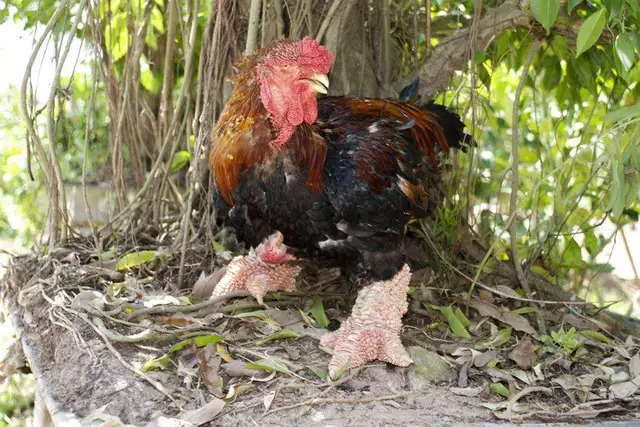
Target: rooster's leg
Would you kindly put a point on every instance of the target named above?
(372, 332)
(264, 269)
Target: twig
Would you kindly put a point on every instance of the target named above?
(167, 309)
(514, 399)
(626, 247)
(327, 20)
(386, 46)
(317, 401)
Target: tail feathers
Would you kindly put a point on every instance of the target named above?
(452, 126)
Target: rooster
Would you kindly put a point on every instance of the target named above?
(297, 175)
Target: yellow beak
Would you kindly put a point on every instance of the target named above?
(318, 83)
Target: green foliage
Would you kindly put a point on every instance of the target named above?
(561, 340)
(546, 12)
(591, 30)
(16, 400)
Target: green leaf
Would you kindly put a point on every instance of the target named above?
(150, 81)
(500, 389)
(591, 242)
(305, 317)
(572, 254)
(600, 267)
(218, 247)
(320, 373)
(260, 314)
(596, 336)
(545, 12)
(179, 160)
(590, 31)
(572, 4)
(462, 318)
(499, 339)
(456, 326)
(268, 365)
(623, 113)
(317, 309)
(614, 7)
(280, 335)
(134, 259)
(199, 341)
(524, 310)
(625, 51)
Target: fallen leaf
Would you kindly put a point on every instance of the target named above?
(526, 377)
(485, 296)
(468, 391)
(483, 359)
(203, 288)
(519, 323)
(456, 326)
(566, 381)
(134, 259)
(508, 291)
(620, 376)
(237, 368)
(500, 389)
(236, 391)
(622, 351)
(323, 374)
(634, 365)
(524, 353)
(497, 340)
(623, 390)
(269, 365)
(267, 400)
(205, 413)
(280, 335)
(594, 335)
(317, 310)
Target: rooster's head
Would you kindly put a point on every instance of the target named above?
(290, 76)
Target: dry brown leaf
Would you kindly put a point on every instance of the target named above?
(237, 369)
(622, 351)
(524, 353)
(518, 322)
(485, 296)
(566, 381)
(205, 413)
(483, 359)
(203, 288)
(508, 291)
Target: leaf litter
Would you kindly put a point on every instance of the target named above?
(229, 353)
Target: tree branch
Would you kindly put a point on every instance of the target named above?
(254, 22)
(451, 54)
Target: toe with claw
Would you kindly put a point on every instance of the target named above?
(372, 332)
(264, 269)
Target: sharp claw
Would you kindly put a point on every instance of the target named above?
(373, 330)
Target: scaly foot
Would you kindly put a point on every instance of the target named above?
(372, 332)
(264, 269)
